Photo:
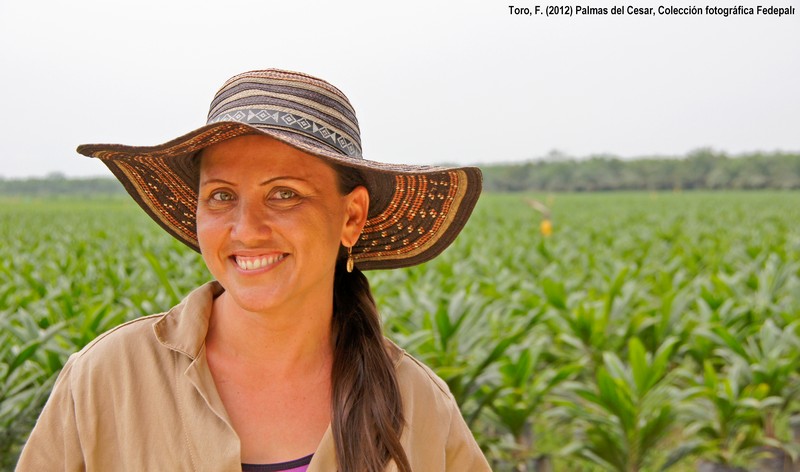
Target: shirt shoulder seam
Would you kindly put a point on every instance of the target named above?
(111, 331)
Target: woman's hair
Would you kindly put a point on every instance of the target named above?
(367, 407)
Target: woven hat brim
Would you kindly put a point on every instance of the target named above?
(415, 211)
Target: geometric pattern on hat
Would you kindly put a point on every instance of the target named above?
(415, 211)
(265, 116)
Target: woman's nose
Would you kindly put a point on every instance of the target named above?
(250, 225)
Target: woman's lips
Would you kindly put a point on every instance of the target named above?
(257, 262)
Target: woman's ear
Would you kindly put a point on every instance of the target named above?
(357, 207)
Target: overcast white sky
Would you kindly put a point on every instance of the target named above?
(458, 81)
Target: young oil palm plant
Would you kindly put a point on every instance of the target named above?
(629, 409)
(772, 360)
(28, 364)
(528, 377)
(726, 418)
(463, 337)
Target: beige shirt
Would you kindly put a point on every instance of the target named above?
(141, 397)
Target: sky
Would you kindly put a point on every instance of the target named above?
(432, 82)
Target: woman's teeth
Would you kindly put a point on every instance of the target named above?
(253, 263)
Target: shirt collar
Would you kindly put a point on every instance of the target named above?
(184, 327)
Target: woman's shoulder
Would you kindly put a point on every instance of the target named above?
(418, 381)
(115, 349)
(436, 436)
(121, 336)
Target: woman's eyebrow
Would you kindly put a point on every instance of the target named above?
(266, 182)
(282, 177)
(216, 181)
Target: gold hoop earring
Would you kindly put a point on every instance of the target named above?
(350, 261)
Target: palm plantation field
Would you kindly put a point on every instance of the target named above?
(648, 331)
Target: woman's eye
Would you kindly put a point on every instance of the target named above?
(284, 194)
(222, 196)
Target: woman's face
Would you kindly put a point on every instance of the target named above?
(270, 220)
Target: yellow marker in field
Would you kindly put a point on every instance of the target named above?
(546, 227)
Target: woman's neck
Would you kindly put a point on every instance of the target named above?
(280, 344)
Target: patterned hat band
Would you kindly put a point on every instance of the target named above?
(279, 119)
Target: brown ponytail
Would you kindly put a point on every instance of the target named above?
(367, 418)
(367, 408)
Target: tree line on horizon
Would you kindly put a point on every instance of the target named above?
(57, 185)
(703, 169)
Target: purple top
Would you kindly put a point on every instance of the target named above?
(297, 465)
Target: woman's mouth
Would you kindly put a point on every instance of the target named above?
(257, 262)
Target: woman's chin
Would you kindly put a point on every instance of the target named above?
(253, 299)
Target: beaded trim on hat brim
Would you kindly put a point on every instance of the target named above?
(415, 211)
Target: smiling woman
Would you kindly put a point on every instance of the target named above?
(279, 363)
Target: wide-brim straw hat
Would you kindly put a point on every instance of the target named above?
(415, 212)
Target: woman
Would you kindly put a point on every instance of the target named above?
(278, 364)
